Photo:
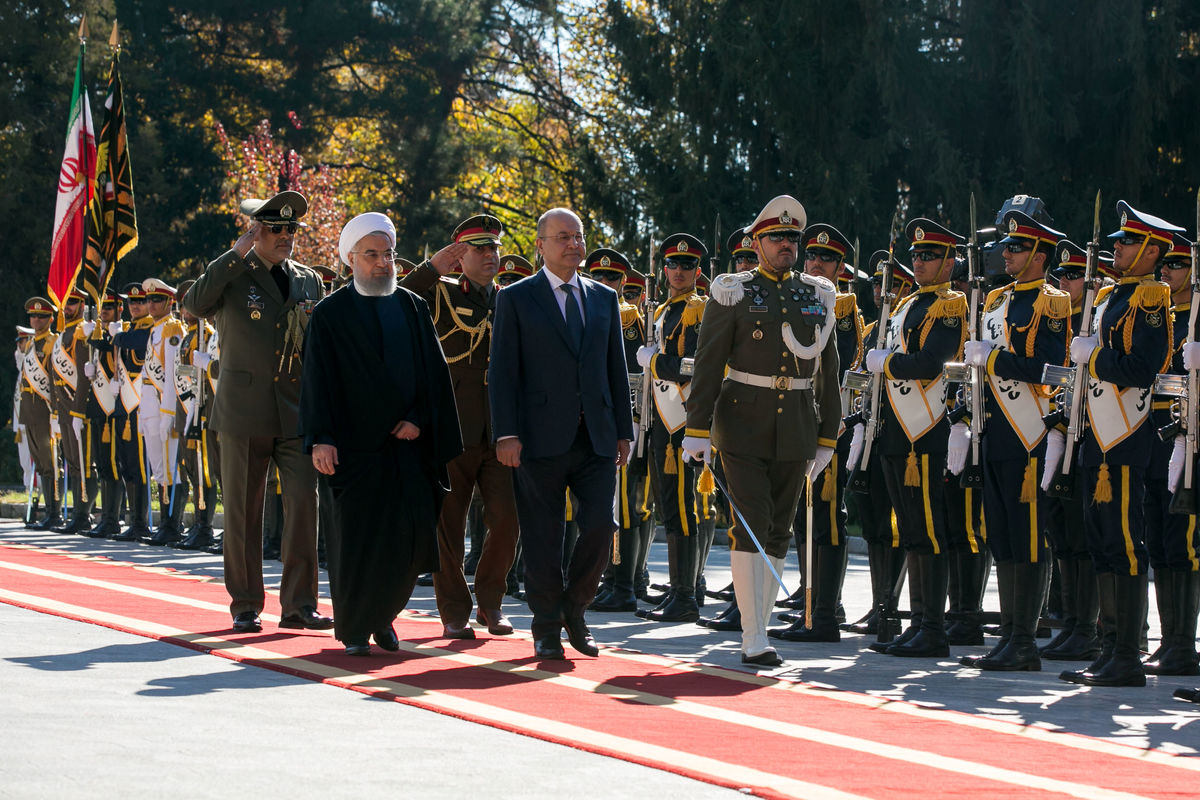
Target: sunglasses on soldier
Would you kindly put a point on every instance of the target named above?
(745, 260)
(927, 255)
(681, 263)
(823, 256)
(780, 237)
(290, 227)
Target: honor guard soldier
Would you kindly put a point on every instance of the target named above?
(825, 251)
(742, 255)
(765, 396)
(512, 268)
(1171, 539)
(129, 346)
(100, 399)
(199, 455)
(68, 358)
(157, 409)
(633, 482)
(924, 332)
(633, 291)
(20, 435)
(260, 300)
(1132, 344)
(36, 391)
(1077, 639)
(462, 307)
(1025, 326)
(668, 364)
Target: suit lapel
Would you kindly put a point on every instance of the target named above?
(544, 295)
(593, 310)
(262, 276)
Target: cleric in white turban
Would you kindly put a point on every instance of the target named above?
(377, 413)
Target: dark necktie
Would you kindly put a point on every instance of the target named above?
(574, 318)
(281, 280)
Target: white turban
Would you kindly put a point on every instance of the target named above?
(365, 225)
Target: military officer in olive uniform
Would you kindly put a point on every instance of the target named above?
(37, 384)
(924, 332)
(67, 411)
(462, 307)
(1025, 325)
(765, 395)
(261, 301)
(634, 502)
(1132, 344)
(99, 401)
(825, 251)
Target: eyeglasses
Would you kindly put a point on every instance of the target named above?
(1130, 241)
(133, 300)
(387, 255)
(159, 298)
(1177, 264)
(927, 255)
(680, 263)
(745, 260)
(74, 301)
(822, 256)
(1073, 275)
(564, 239)
(507, 278)
(780, 237)
(290, 227)
(1017, 247)
(484, 245)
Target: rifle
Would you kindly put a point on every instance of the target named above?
(972, 475)
(1074, 379)
(648, 307)
(1183, 499)
(860, 480)
(714, 261)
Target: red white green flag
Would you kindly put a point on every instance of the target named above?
(76, 184)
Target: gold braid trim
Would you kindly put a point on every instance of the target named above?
(847, 303)
(1050, 303)
(949, 303)
(629, 315)
(477, 332)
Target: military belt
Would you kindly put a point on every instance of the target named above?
(781, 382)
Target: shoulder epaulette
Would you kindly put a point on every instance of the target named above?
(79, 336)
(629, 315)
(48, 345)
(870, 329)
(448, 279)
(846, 304)
(1150, 296)
(817, 281)
(994, 297)
(949, 303)
(728, 289)
(1052, 303)
(1103, 294)
(694, 312)
(174, 328)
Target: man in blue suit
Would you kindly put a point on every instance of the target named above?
(562, 417)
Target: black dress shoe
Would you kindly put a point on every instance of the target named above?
(457, 630)
(359, 646)
(580, 637)
(549, 647)
(425, 579)
(767, 658)
(307, 618)
(247, 622)
(386, 638)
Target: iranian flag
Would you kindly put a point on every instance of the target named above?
(76, 184)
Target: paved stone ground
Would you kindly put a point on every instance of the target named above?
(131, 702)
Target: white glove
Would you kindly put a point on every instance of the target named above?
(1082, 348)
(976, 353)
(77, 426)
(645, 355)
(87, 327)
(875, 359)
(1191, 355)
(959, 444)
(1175, 468)
(857, 438)
(89, 370)
(55, 430)
(1056, 445)
(202, 360)
(820, 460)
(697, 448)
(114, 328)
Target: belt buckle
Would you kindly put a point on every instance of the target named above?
(781, 382)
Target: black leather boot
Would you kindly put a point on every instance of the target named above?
(877, 563)
(1178, 655)
(707, 529)
(1083, 643)
(887, 634)
(1024, 598)
(1106, 587)
(621, 596)
(112, 496)
(200, 536)
(930, 639)
(682, 605)
(139, 514)
(725, 594)
(827, 578)
(662, 600)
(53, 516)
(1124, 668)
(973, 570)
(1065, 583)
(170, 529)
(728, 620)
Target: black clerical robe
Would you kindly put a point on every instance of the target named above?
(369, 363)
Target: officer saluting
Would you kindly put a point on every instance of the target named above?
(924, 332)
(765, 392)
(1131, 346)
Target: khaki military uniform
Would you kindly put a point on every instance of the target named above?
(36, 389)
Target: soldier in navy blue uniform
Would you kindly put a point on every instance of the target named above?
(1024, 327)
(1171, 539)
(100, 407)
(878, 521)
(825, 252)
(667, 363)
(130, 343)
(925, 332)
(1077, 639)
(1131, 347)
(633, 483)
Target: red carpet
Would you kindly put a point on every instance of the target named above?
(775, 738)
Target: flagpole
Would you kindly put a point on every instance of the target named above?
(83, 160)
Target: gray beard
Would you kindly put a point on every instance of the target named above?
(376, 287)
